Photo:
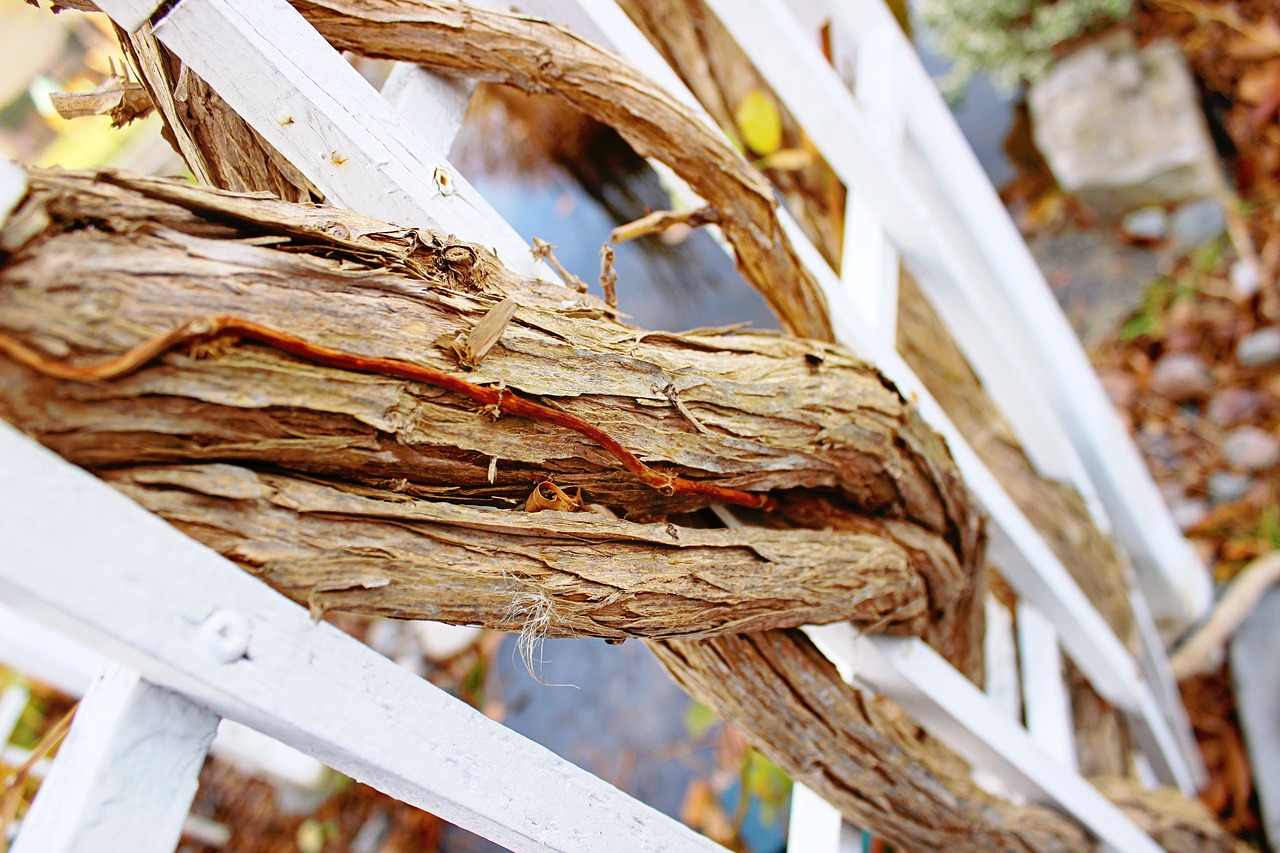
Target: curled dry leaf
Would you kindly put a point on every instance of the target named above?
(547, 495)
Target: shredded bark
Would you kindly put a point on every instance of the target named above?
(905, 787)
(854, 750)
(362, 401)
(537, 56)
(709, 61)
(219, 147)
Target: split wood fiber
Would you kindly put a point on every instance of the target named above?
(371, 493)
(283, 462)
(699, 48)
(537, 56)
(889, 754)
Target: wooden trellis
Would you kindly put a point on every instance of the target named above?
(197, 640)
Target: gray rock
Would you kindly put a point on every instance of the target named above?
(1227, 487)
(1188, 512)
(1181, 377)
(1122, 127)
(1146, 223)
(1245, 278)
(1233, 406)
(1251, 448)
(1159, 448)
(1099, 280)
(1258, 348)
(1198, 222)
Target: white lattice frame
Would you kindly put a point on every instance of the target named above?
(318, 112)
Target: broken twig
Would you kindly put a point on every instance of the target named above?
(609, 277)
(661, 220)
(544, 251)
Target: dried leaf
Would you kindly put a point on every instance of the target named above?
(702, 811)
(1259, 83)
(1256, 41)
(547, 495)
(787, 160)
(124, 100)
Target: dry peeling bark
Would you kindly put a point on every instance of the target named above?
(918, 809)
(370, 493)
(97, 264)
(536, 56)
(550, 574)
(701, 51)
(285, 466)
(873, 765)
(221, 151)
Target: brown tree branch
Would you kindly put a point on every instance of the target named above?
(538, 56)
(710, 62)
(380, 408)
(858, 752)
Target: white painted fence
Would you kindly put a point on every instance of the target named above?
(197, 640)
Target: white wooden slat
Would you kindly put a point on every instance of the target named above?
(951, 709)
(32, 648)
(131, 14)
(1029, 564)
(279, 74)
(1173, 576)
(13, 186)
(432, 106)
(1159, 674)
(869, 260)
(1003, 685)
(840, 129)
(1113, 673)
(191, 621)
(1045, 698)
(13, 701)
(815, 826)
(1017, 548)
(814, 93)
(46, 655)
(126, 774)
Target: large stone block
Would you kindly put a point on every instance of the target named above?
(1122, 127)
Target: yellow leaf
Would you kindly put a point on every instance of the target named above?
(759, 123)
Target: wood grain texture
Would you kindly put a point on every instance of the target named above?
(334, 486)
(858, 752)
(280, 461)
(537, 56)
(219, 147)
